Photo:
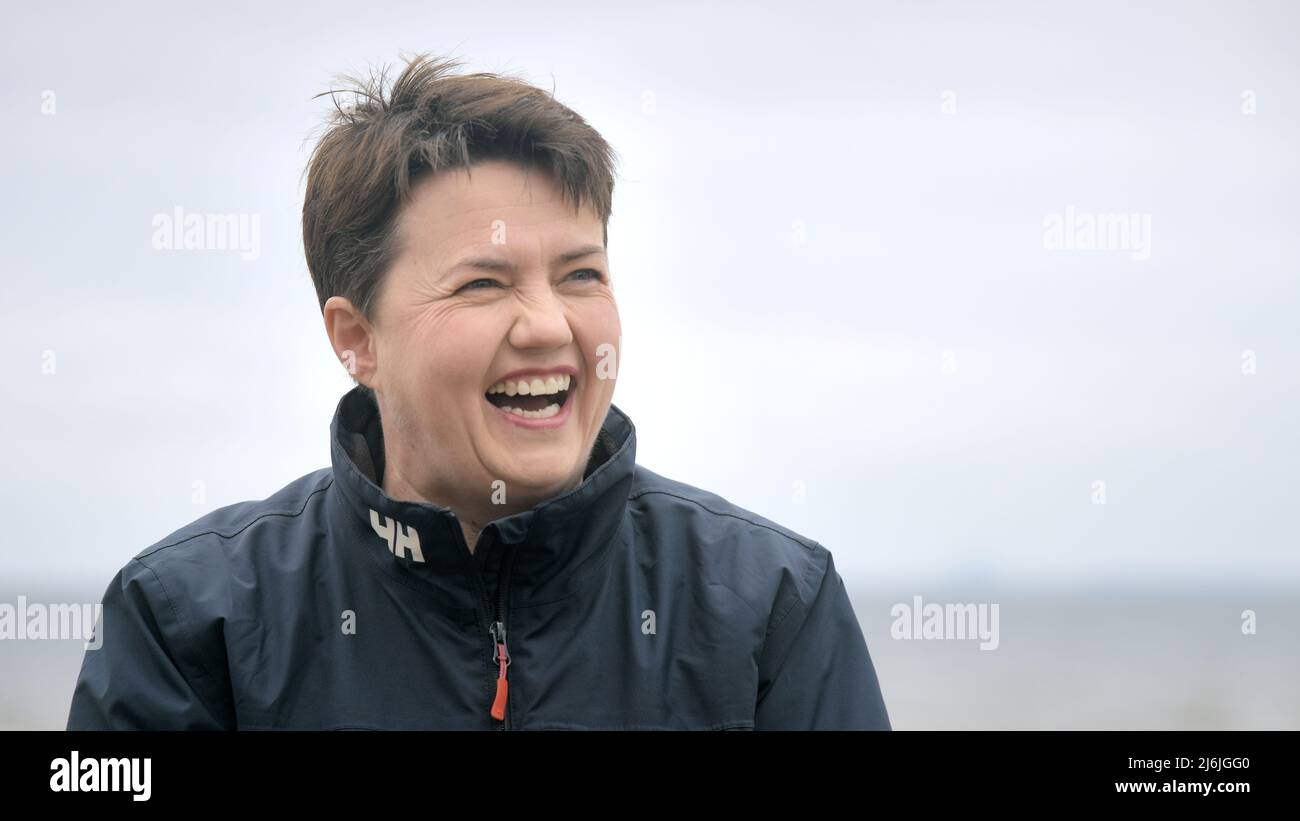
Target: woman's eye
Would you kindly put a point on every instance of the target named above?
(595, 276)
(468, 286)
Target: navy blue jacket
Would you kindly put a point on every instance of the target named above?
(630, 602)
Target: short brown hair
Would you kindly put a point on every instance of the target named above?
(377, 146)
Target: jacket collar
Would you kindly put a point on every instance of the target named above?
(557, 543)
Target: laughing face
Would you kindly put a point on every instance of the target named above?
(493, 345)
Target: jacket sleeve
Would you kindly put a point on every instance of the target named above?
(140, 671)
(815, 672)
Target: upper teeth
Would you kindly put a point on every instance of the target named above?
(533, 387)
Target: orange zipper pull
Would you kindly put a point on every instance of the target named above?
(502, 657)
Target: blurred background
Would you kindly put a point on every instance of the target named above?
(1027, 278)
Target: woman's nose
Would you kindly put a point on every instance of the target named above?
(542, 322)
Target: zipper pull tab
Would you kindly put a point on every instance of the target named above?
(502, 657)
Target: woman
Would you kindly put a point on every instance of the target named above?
(484, 552)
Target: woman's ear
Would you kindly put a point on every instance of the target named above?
(353, 339)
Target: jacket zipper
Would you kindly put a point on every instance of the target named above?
(500, 649)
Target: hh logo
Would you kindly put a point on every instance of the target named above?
(400, 537)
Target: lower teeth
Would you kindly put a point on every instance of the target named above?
(545, 413)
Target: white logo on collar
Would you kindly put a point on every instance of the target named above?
(400, 538)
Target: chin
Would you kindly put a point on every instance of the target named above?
(537, 478)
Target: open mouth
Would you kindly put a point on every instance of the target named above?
(529, 405)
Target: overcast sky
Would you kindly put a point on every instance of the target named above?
(849, 245)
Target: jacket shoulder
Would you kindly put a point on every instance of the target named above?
(814, 670)
(232, 524)
(194, 564)
(655, 494)
(162, 663)
(770, 566)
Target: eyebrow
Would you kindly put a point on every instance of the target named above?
(498, 265)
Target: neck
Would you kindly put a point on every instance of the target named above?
(473, 518)
(471, 534)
